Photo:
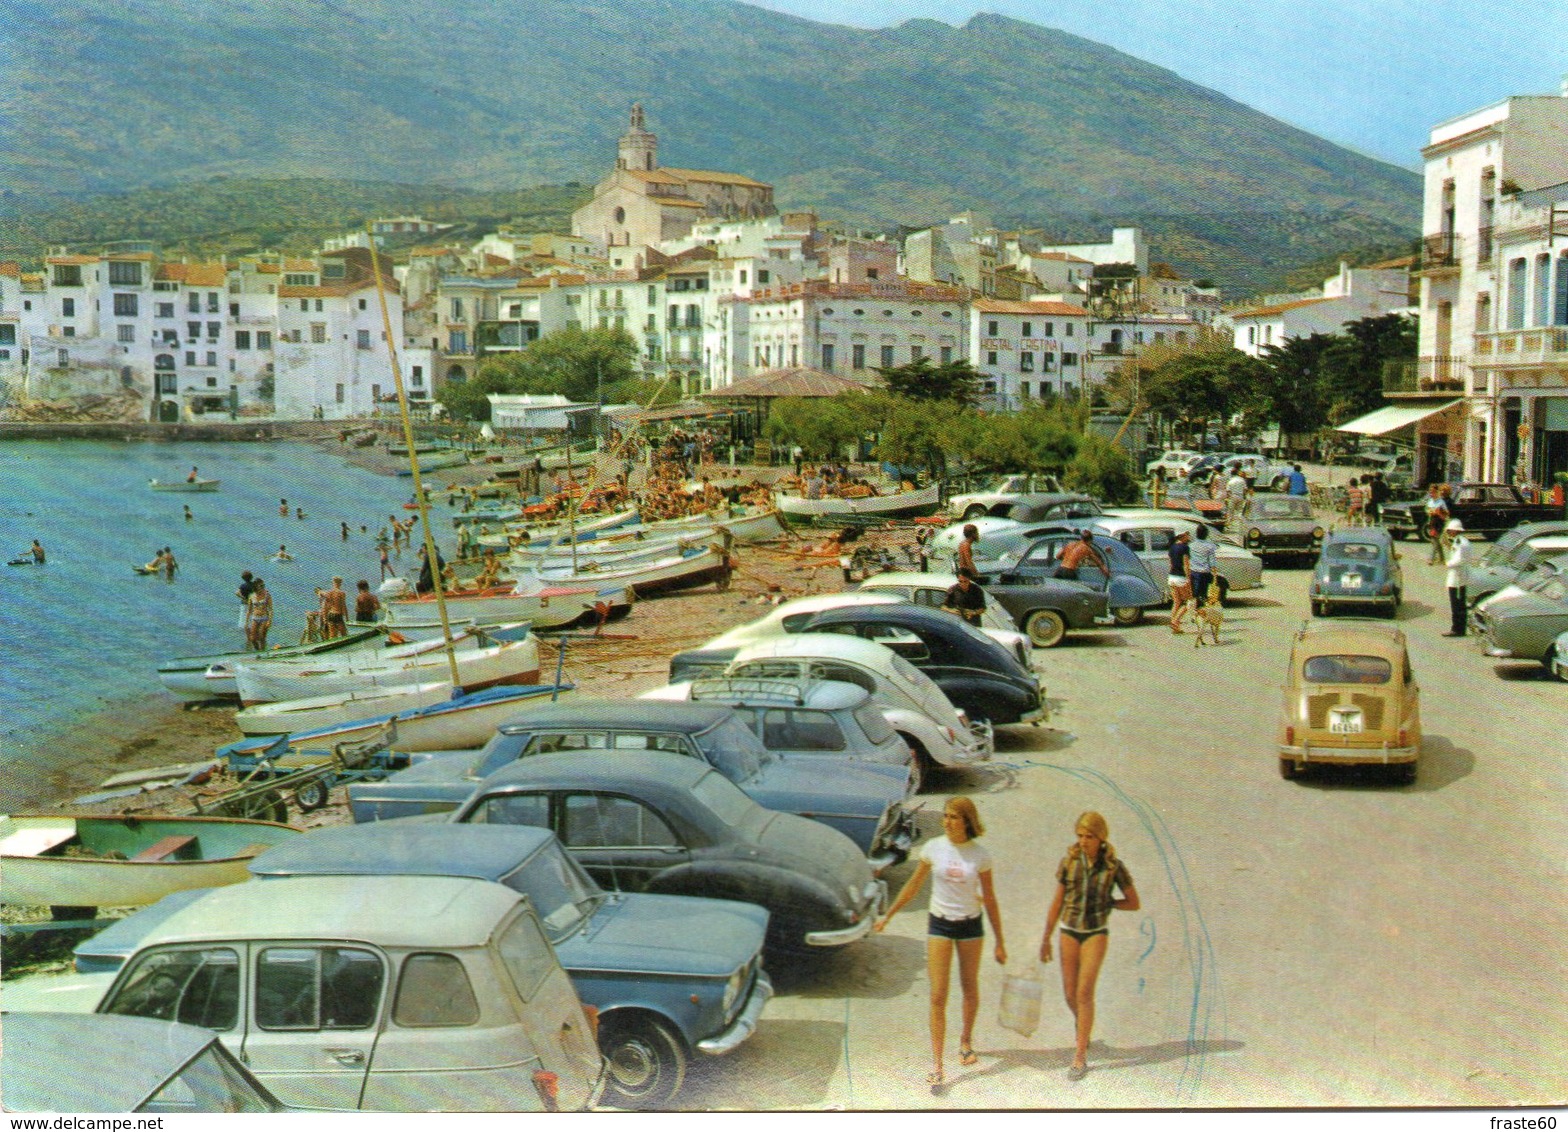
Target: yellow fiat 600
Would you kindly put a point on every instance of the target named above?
(1350, 698)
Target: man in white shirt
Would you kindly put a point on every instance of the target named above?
(1236, 496)
(1460, 556)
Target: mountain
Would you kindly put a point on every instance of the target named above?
(895, 125)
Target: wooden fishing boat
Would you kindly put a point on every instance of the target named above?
(903, 505)
(672, 572)
(547, 605)
(101, 861)
(436, 461)
(288, 716)
(184, 485)
(482, 666)
(454, 724)
(586, 527)
(211, 677)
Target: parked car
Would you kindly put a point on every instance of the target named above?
(659, 822)
(1130, 591)
(1042, 508)
(395, 993)
(1513, 556)
(1001, 489)
(794, 616)
(669, 976)
(1357, 566)
(866, 806)
(1264, 474)
(1175, 461)
(979, 676)
(59, 1062)
(1525, 624)
(930, 589)
(1280, 526)
(1350, 699)
(1486, 509)
(806, 719)
(1560, 656)
(937, 732)
(1150, 538)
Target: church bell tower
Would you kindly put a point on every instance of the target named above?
(639, 148)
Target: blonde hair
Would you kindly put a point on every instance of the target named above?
(1092, 822)
(965, 808)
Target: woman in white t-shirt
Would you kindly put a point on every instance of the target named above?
(960, 871)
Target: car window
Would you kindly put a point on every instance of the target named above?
(317, 988)
(789, 729)
(931, 598)
(209, 1082)
(1347, 669)
(1468, 495)
(512, 809)
(828, 670)
(599, 821)
(1500, 495)
(795, 622)
(434, 990)
(731, 746)
(874, 723)
(560, 891)
(1133, 539)
(1043, 553)
(1160, 538)
(1281, 509)
(650, 741)
(527, 956)
(903, 642)
(566, 741)
(198, 986)
(1553, 590)
(1355, 551)
(728, 802)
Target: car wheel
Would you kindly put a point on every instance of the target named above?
(1127, 615)
(1045, 628)
(1287, 768)
(646, 1062)
(1559, 666)
(1281, 484)
(1317, 609)
(973, 511)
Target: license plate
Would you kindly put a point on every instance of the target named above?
(1344, 723)
(1352, 581)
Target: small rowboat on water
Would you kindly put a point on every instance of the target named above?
(184, 485)
(99, 861)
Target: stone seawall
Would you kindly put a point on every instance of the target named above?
(146, 431)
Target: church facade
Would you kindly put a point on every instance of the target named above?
(641, 204)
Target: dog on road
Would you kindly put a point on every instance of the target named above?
(1209, 616)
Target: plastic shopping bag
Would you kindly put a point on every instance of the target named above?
(1021, 994)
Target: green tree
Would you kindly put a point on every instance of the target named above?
(469, 400)
(1290, 384)
(823, 426)
(1353, 365)
(1102, 469)
(579, 364)
(923, 380)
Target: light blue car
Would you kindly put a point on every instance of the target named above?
(668, 975)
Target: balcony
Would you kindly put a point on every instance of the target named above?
(1546, 345)
(1439, 252)
(1435, 373)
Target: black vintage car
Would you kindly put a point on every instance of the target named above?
(655, 821)
(1486, 509)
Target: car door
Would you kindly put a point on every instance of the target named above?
(315, 1012)
(623, 842)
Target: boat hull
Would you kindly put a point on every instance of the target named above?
(222, 848)
(512, 662)
(908, 504)
(188, 676)
(184, 485)
(288, 716)
(664, 574)
(553, 607)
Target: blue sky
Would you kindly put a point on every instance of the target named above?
(1372, 76)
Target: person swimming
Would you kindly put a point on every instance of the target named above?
(283, 555)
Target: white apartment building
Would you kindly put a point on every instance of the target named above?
(1025, 350)
(1350, 295)
(1489, 396)
(331, 351)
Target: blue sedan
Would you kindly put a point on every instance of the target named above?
(865, 805)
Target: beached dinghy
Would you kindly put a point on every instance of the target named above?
(546, 605)
(211, 677)
(454, 724)
(108, 862)
(672, 572)
(903, 505)
(481, 666)
(288, 716)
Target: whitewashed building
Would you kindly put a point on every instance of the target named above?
(1025, 350)
(1349, 296)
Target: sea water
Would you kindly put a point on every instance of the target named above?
(84, 634)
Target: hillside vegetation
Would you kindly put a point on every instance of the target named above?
(895, 125)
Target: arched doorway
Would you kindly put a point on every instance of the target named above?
(169, 412)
